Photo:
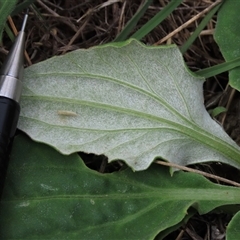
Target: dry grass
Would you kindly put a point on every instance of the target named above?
(64, 26)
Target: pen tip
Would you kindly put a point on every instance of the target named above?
(25, 20)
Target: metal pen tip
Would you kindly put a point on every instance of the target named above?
(25, 21)
(11, 73)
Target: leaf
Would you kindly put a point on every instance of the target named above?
(51, 196)
(190, 213)
(123, 35)
(124, 100)
(227, 37)
(6, 8)
(233, 228)
(21, 6)
(216, 111)
(157, 19)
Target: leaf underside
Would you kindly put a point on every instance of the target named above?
(126, 101)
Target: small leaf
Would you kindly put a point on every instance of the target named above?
(6, 7)
(131, 102)
(227, 36)
(216, 111)
(51, 196)
(123, 35)
(233, 228)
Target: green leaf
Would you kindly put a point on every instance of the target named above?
(227, 36)
(166, 232)
(218, 69)
(21, 6)
(124, 100)
(133, 22)
(156, 20)
(6, 8)
(216, 111)
(233, 228)
(199, 28)
(51, 196)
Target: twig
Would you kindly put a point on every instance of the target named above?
(193, 234)
(14, 29)
(187, 23)
(98, 7)
(47, 8)
(209, 175)
(179, 237)
(12, 25)
(76, 35)
(228, 104)
(122, 17)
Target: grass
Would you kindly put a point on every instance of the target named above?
(56, 28)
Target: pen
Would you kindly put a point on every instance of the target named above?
(11, 75)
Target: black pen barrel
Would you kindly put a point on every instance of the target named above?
(9, 114)
(11, 75)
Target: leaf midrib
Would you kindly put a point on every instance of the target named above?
(196, 132)
(163, 103)
(196, 194)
